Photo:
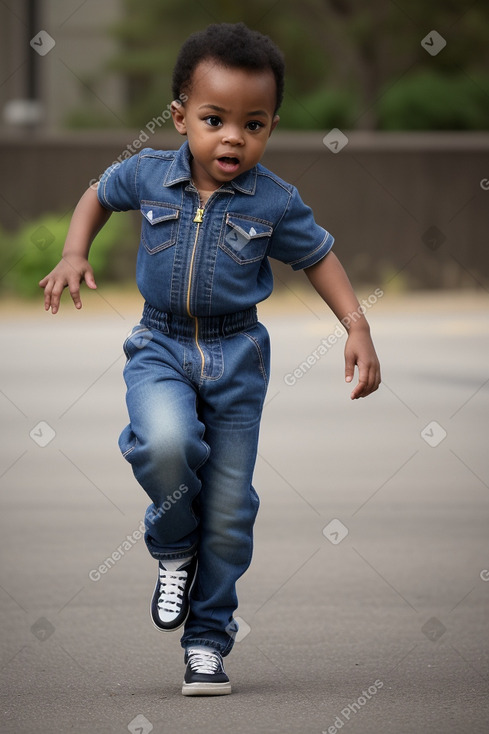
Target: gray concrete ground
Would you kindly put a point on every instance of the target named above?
(366, 606)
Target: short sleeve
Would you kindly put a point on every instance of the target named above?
(118, 185)
(298, 240)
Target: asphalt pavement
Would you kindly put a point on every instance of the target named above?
(366, 606)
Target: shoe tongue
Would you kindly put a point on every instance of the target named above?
(175, 564)
(203, 659)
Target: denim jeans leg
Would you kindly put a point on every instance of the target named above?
(231, 410)
(164, 444)
(228, 505)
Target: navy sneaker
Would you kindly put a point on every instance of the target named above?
(205, 674)
(170, 605)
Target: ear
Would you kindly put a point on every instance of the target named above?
(274, 124)
(178, 113)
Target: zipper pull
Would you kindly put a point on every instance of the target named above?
(198, 215)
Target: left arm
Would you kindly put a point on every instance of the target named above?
(331, 282)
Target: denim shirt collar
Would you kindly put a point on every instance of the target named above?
(179, 171)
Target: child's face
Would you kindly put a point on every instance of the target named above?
(228, 118)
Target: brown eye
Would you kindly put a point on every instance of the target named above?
(213, 120)
(254, 125)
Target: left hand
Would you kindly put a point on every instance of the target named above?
(360, 351)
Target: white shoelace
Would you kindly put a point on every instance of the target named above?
(204, 662)
(172, 586)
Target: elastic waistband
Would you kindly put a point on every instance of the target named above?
(210, 327)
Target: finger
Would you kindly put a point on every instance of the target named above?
(374, 382)
(90, 280)
(361, 389)
(47, 284)
(56, 297)
(367, 386)
(47, 299)
(349, 367)
(74, 289)
(377, 381)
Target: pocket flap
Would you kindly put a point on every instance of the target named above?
(156, 213)
(249, 228)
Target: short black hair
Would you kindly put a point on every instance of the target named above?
(233, 45)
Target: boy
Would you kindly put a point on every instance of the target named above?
(198, 363)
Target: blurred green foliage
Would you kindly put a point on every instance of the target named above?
(324, 108)
(32, 251)
(430, 101)
(349, 64)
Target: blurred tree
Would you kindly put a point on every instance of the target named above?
(348, 65)
(152, 32)
(378, 46)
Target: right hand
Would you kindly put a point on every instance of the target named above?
(69, 272)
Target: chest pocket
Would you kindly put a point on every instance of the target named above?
(160, 225)
(245, 239)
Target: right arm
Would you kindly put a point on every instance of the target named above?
(88, 218)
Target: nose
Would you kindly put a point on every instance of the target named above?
(232, 135)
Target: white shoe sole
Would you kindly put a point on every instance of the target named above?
(169, 629)
(206, 689)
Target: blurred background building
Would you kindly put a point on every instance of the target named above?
(45, 90)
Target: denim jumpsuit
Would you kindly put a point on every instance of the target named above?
(198, 363)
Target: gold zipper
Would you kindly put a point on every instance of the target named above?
(198, 220)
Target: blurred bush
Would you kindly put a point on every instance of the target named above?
(323, 109)
(431, 101)
(31, 252)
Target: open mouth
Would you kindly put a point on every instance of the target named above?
(228, 163)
